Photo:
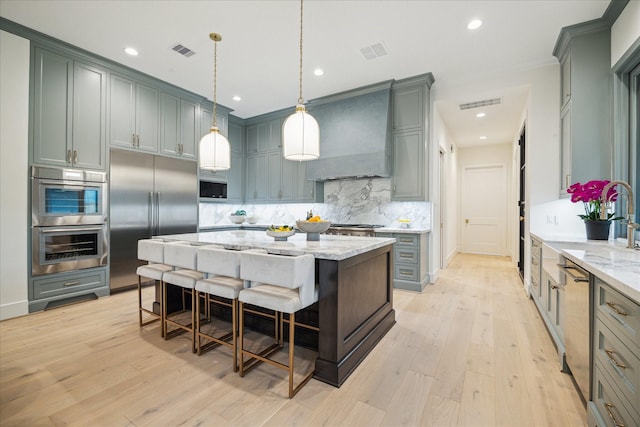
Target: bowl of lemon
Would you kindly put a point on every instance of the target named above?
(313, 227)
(280, 232)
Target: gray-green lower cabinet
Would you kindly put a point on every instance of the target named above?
(615, 399)
(410, 257)
(53, 290)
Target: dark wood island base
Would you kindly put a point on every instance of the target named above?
(355, 311)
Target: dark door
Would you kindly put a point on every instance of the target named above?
(521, 201)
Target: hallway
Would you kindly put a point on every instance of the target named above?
(470, 350)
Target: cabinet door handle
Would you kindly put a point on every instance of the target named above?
(616, 309)
(75, 156)
(613, 360)
(552, 286)
(68, 156)
(608, 406)
(138, 141)
(133, 139)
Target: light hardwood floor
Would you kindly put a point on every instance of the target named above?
(470, 350)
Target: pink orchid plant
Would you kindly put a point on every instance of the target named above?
(589, 194)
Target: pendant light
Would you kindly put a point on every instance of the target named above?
(215, 152)
(300, 131)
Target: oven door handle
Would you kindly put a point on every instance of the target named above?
(68, 229)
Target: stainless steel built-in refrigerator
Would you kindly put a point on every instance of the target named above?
(149, 195)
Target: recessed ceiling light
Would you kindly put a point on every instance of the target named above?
(318, 72)
(480, 115)
(131, 51)
(483, 137)
(237, 98)
(474, 25)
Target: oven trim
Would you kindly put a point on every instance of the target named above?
(42, 177)
(39, 267)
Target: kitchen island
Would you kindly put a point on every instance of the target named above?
(355, 302)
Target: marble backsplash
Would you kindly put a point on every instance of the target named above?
(361, 201)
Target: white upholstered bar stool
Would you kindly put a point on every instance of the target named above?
(221, 285)
(152, 251)
(183, 257)
(285, 284)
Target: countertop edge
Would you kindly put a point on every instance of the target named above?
(569, 248)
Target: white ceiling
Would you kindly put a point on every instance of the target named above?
(258, 55)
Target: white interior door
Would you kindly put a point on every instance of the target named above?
(484, 210)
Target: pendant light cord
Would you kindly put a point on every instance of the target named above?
(215, 76)
(300, 99)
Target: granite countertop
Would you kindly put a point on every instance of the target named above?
(610, 260)
(328, 247)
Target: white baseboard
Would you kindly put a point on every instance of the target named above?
(14, 309)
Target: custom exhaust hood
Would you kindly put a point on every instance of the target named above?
(355, 134)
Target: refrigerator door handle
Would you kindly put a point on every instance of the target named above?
(151, 208)
(157, 219)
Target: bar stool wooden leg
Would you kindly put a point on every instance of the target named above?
(241, 338)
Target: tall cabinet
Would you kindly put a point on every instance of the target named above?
(410, 134)
(584, 52)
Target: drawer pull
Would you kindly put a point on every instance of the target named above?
(405, 255)
(616, 309)
(614, 361)
(608, 406)
(407, 272)
(71, 283)
(406, 240)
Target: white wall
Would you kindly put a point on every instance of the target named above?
(444, 142)
(14, 135)
(625, 31)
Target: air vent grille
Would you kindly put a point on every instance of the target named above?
(374, 51)
(183, 50)
(483, 103)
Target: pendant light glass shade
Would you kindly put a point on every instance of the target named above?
(300, 131)
(301, 136)
(214, 151)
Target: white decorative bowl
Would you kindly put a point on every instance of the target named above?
(313, 227)
(237, 219)
(280, 235)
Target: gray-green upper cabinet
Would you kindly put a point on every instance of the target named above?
(410, 134)
(179, 126)
(287, 181)
(69, 112)
(408, 108)
(308, 190)
(264, 136)
(235, 181)
(407, 182)
(134, 115)
(584, 52)
(257, 178)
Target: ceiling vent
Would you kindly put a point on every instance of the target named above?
(182, 50)
(478, 104)
(374, 51)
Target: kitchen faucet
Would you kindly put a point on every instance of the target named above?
(631, 226)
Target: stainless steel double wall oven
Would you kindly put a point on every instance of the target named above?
(68, 219)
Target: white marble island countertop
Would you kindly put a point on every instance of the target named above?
(328, 247)
(610, 260)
